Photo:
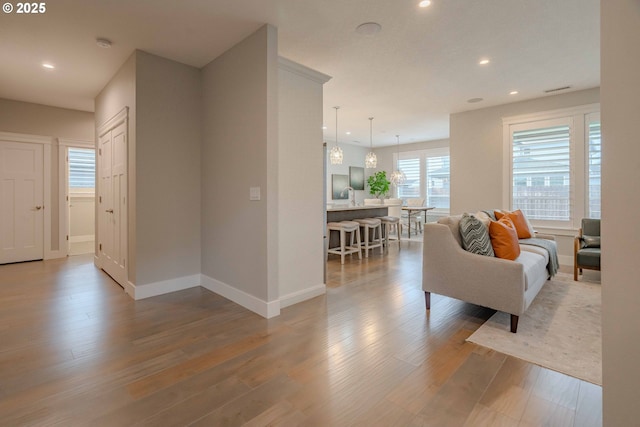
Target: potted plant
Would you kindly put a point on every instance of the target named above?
(379, 184)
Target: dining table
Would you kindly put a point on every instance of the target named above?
(410, 210)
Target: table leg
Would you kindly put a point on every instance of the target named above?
(409, 224)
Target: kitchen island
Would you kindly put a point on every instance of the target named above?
(337, 213)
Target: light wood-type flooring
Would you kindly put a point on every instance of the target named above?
(75, 350)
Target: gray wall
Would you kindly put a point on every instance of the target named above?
(35, 119)
(168, 135)
(236, 109)
(300, 202)
(620, 34)
(476, 148)
(119, 93)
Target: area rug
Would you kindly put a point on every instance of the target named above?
(561, 330)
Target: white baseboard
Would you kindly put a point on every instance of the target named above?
(163, 287)
(54, 254)
(250, 302)
(80, 239)
(565, 260)
(303, 295)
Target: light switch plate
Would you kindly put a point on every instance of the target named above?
(254, 193)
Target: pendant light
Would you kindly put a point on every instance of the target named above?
(335, 155)
(397, 176)
(371, 161)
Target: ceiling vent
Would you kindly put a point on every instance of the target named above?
(558, 89)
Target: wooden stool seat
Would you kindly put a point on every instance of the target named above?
(343, 228)
(372, 229)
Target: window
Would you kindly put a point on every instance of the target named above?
(593, 167)
(554, 165)
(541, 157)
(82, 170)
(427, 173)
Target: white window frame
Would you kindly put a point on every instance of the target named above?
(590, 118)
(577, 117)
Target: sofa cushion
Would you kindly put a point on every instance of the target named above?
(519, 220)
(484, 218)
(475, 236)
(535, 267)
(536, 250)
(453, 222)
(504, 238)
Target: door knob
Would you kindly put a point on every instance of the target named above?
(38, 208)
(109, 211)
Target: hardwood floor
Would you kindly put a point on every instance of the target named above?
(76, 350)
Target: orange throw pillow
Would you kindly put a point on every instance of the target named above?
(504, 238)
(519, 220)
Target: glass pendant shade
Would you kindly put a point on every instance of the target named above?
(397, 176)
(335, 155)
(371, 161)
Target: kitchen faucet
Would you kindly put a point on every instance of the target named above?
(352, 195)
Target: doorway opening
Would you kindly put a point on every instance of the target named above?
(81, 199)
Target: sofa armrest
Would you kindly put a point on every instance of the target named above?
(448, 269)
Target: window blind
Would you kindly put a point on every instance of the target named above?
(411, 169)
(438, 171)
(595, 152)
(541, 172)
(82, 168)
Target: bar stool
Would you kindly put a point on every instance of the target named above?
(390, 223)
(344, 227)
(371, 227)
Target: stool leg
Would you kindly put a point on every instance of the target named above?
(380, 238)
(359, 241)
(366, 241)
(342, 249)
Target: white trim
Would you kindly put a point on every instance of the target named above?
(250, 302)
(163, 287)
(302, 295)
(25, 137)
(78, 143)
(83, 238)
(114, 121)
(302, 71)
(54, 254)
(552, 114)
(129, 288)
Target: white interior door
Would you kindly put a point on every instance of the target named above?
(112, 212)
(21, 202)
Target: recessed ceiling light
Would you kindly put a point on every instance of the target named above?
(474, 100)
(369, 28)
(348, 133)
(513, 92)
(424, 3)
(49, 66)
(103, 43)
(484, 61)
(324, 127)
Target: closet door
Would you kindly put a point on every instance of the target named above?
(112, 208)
(21, 202)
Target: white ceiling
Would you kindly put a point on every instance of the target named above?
(421, 67)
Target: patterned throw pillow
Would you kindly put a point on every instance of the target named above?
(475, 236)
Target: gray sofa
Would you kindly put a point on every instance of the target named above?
(508, 286)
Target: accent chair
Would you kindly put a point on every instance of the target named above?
(586, 247)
